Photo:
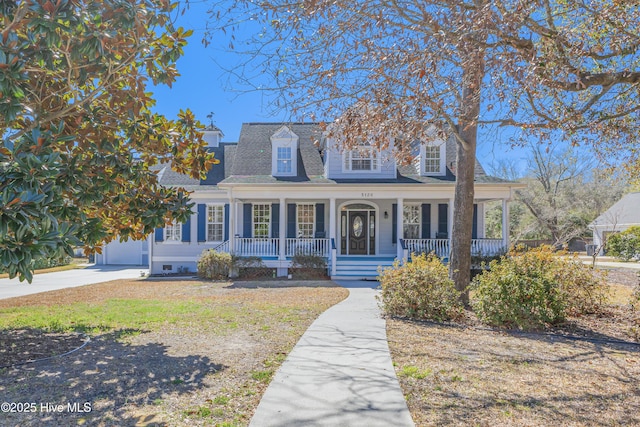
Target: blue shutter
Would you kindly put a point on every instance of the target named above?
(159, 234)
(474, 232)
(202, 222)
(320, 218)
(291, 220)
(426, 221)
(246, 220)
(275, 220)
(394, 223)
(186, 231)
(443, 219)
(226, 221)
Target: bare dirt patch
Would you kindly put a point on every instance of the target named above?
(577, 375)
(174, 374)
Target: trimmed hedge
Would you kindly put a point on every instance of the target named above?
(420, 289)
(535, 288)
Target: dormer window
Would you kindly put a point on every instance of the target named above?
(364, 159)
(284, 148)
(283, 161)
(433, 159)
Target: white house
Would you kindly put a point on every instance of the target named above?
(284, 188)
(623, 214)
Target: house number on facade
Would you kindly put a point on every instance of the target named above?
(367, 194)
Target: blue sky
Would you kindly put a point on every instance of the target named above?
(203, 87)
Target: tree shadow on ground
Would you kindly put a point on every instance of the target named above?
(106, 382)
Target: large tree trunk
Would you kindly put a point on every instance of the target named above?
(460, 256)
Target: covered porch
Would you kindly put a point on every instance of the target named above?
(348, 230)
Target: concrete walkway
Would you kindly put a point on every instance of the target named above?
(44, 282)
(340, 372)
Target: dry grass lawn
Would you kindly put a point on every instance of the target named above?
(456, 375)
(168, 353)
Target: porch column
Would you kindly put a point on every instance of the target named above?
(505, 223)
(332, 235)
(400, 228)
(332, 219)
(283, 229)
(236, 231)
(232, 225)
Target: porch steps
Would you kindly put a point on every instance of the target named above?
(360, 268)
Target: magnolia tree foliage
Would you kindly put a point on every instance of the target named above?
(393, 68)
(78, 135)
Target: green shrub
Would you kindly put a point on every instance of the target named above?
(420, 289)
(532, 289)
(308, 266)
(50, 262)
(626, 244)
(40, 263)
(214, 265)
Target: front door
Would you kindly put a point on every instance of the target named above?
(358, 236)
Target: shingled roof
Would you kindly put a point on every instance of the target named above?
(249, 162)
(224, 153)
(624, 212)
(253, 154)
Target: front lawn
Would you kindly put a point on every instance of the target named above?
(576, 375)
(161, 352)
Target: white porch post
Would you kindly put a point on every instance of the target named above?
(236, 231)
(283, 232)
(505, 223)
(332, 218)
(232, 225)
(400, 228)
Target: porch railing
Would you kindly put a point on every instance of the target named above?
(246, 246)
(479, 247)
(307, 246)
(487, 247)
(439, 246)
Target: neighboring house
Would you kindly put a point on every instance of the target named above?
(622, 215)
(285, 189)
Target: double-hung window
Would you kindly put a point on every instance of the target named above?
(411, 221)
(361, 159)
(215, 223)
(284, 164)
(306, 220)
(431, 160)
(261, 220)
(173, 232)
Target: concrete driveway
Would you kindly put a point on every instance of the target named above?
(68, 279)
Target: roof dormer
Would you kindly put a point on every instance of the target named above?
(284, 152)
(212, 136)
(433, 158)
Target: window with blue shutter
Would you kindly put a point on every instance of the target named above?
(186, 231)
(426, 221)
(246, 220)
(275, 220)
(291, 220)
(474, 232)
(226, 222)
(202, 222)
(320, 219)
(443, 221)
